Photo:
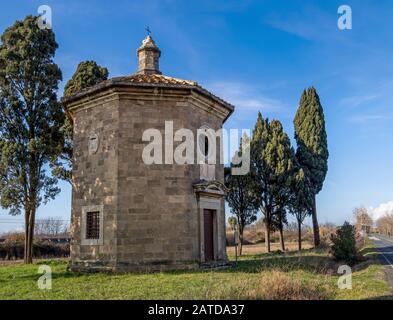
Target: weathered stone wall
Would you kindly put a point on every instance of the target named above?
(158, 222)
(95, 178)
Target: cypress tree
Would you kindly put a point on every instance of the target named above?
(312, 150)
(281, 159)
(87, 74)
(261, 173)
(30, 121)
(240, 195)
(271, 168)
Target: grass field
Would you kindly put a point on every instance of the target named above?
(307, 275)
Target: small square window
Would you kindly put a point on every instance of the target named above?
(93, 225)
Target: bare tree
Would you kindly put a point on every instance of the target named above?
(363, 220)
(385, 224)
(51, 227)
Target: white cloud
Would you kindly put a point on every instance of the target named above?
(371, 107)
(245, 97)
(378, 94)
(381, 210)
(355, 101)
(311, 23)
(361, 119)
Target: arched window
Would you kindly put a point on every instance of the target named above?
(203, 142)
(206, 146)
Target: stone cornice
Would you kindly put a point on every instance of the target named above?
(157, 92)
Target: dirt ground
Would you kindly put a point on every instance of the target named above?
(260, 247)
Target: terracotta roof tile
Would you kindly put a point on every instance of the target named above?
(155, 79)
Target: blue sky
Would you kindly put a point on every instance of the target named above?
(258, 55)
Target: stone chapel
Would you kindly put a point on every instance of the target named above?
(131, 216)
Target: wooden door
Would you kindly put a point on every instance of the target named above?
(208, 232)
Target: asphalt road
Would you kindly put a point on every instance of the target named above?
(385, 248)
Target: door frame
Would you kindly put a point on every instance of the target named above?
(210, 195)
(213, 217)
(214, 205)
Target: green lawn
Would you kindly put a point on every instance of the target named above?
(309, 275)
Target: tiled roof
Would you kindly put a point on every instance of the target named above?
(145, 80)
(155, 79)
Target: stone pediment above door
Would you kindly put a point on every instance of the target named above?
(211, 188)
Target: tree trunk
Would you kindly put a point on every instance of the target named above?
(317, 240)
(30, 238)
(267, 236)
(282, 238)
(241, 231)
(241, 245)
(27, 219)
(299, 239)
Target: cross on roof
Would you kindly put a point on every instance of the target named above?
(148, 30)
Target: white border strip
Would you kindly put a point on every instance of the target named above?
(386, 258)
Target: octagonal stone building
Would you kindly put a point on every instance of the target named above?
(128, 215)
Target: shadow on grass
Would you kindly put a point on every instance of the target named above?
(55, 275)
(30, 272)
(319, 264)
(312, 260)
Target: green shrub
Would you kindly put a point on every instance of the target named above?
(344, 244)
